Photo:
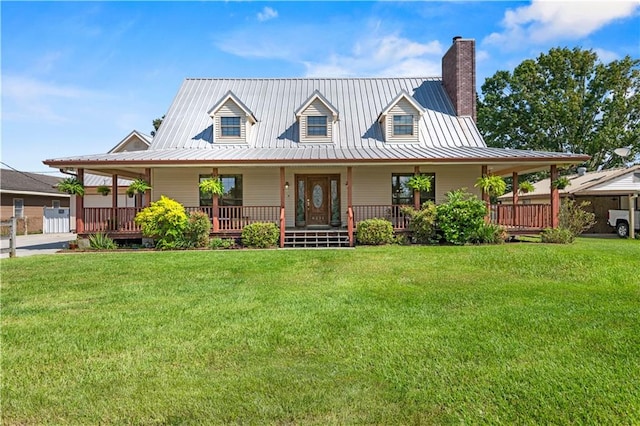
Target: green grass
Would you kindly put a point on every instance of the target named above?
(519, 333)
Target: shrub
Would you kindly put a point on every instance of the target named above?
(260, 235)
(374, 232)
(165, 221)
(196, 233)
(557, 236)
(488, 233)
(460, 216)
(221, 243)
(575, 218)
(423, 223)
(101, 242)
(71, 186)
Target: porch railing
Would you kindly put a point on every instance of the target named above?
(108, 219)
(392, 213)
(234, 218)
(525, 216)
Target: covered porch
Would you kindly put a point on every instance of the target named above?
(343, 214)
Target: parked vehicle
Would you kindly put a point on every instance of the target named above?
(620, 220)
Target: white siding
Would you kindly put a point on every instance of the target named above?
(626, 183)
(403, 107)
(316, 108)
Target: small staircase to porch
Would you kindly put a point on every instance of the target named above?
(316, 238)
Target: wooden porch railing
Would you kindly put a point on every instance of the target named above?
(108, 219)
(234, 218)
(392, 213)
(525, 216)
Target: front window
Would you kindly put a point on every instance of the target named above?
(18, 208)
(317, 125)
(402, 125)
(230, 126)
(232, 191)
(55, 204)
(401, 194)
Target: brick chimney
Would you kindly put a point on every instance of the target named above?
(459, 75)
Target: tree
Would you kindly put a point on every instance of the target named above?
(156, 125)
(565, 101)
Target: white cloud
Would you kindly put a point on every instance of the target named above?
(267, 14)
(545, 20)
(606, 56)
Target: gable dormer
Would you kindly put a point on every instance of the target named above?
(316, 119)
(232, 120)
(400, 119)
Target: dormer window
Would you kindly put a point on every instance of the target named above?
(403, 125)
(230, 126)
(317, 125)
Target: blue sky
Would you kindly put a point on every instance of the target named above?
(78, 77)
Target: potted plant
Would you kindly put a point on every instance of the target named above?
(138, 186)
(104, 190)
(525, 187)
(71, 186)
(212, 186)
(493, 185)
(561, 183)
(420, 183)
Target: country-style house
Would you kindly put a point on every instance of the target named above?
(316, 153)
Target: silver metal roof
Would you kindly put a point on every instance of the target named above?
(187, 132)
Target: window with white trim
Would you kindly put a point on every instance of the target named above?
(18, 208)
(403, 125)
(230, 126)
(317, 125)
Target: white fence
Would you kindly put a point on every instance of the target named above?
(55, 221)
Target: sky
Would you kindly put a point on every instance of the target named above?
(78, 77)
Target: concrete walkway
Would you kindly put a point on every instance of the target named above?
(29, 245)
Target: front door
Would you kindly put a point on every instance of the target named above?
(317, 193)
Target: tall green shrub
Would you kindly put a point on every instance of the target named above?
(575, 218)
(196, 233)
(260, 235)
(374, 232)
(423, 223)
(460, 216)
(165, 221)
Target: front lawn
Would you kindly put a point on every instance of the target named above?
(519, 333)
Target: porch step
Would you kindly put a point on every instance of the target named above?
(316, 238)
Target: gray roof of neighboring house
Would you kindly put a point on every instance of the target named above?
(186, 133)
(15, 181)
(578, 183)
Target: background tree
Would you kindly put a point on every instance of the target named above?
(156, 125)
(565, 101)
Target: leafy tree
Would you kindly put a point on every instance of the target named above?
(565, 101)
(156, 125)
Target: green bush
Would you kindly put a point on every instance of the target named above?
(557, 236)
(260, 235)
(423, 223)
(460, 216)
(575, 218)
(101, 242)
(488, 233)
(374, 232)
(165, 221)
(196, 233)
(221, 243)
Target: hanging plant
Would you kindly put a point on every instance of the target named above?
(138, 186)
(71, 186)
(525, 187)
(493, 185)
(212, 186)
(104, 190)
(420, 183)
(561, 183)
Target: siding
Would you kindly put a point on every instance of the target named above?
(230, 109)
(629, 182)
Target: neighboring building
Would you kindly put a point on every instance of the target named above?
(605, 190)
(25, 195)
(316, 152)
